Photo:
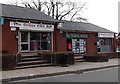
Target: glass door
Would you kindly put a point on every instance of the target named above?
(24, 41)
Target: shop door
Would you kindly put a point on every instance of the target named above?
(24, 41)
(79, 46)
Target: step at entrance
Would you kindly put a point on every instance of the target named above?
(79, 58)
(36, 65)
(29, 60)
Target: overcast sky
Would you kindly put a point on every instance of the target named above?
(103, 13)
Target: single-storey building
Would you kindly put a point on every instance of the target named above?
(25, 30)
(83, 38)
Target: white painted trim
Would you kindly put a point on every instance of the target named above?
(106, 35)
(24, 43)
(32, 26)
(19, 37)
(28, 41)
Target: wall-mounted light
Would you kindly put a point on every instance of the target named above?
(60, 25)
(16, 37)
(29, 22)
(41, 23)
(61, 31)
(16, 22)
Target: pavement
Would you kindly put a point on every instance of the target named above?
(79, 67)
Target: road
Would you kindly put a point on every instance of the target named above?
(104, 75)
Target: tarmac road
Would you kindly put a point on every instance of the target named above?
(104, 75)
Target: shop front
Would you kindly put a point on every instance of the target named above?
(35, 41)
(33, 36)
(85, 38)
(105, 41)
(77, 42)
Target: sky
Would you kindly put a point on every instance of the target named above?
(103, 13)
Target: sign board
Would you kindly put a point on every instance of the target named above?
(106, 35)
(1, 21)
(32, 26)
(76, 35)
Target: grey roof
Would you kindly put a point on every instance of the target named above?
(24, 13)
(81, 26)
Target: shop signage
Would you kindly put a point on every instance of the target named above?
(106, 35)
(1, 21)
(32, 26)
(76, 35)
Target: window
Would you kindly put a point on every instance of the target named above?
(76, 45)
(105, 45)
(34, 41)
(45, 41)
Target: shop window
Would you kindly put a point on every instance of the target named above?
(40, 41)
(45, 41)
(105, 45)
(76, 45)
(34, 41)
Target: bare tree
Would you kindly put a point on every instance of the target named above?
(58, 9)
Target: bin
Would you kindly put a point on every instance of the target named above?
(65, 60)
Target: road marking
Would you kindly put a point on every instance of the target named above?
(42, 78)
(99, 70)
(62, 75)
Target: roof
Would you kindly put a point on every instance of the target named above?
(82, 26)
(12, 11)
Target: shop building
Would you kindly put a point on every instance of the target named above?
(83, 38)
(26, 30)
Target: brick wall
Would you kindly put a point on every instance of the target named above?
(61, 43)
(9, 41)
(91, 47)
